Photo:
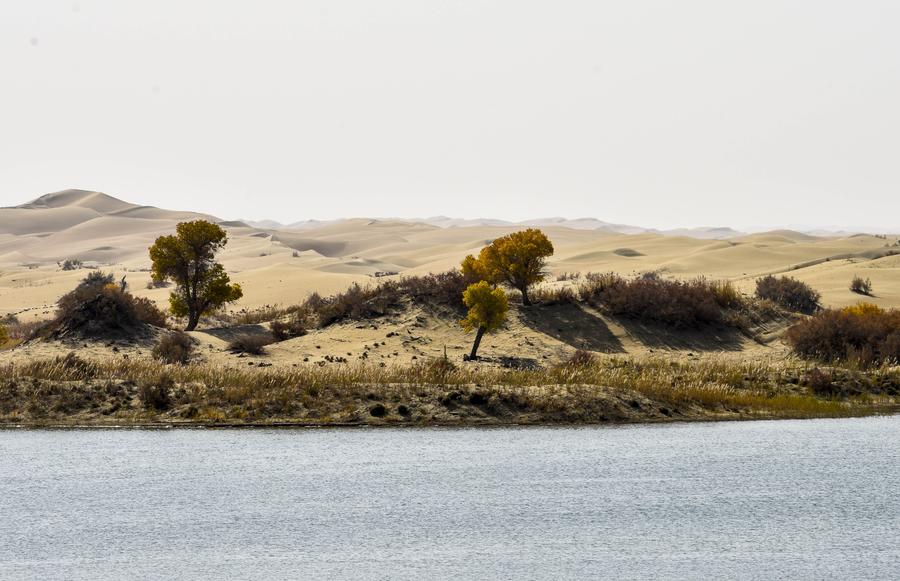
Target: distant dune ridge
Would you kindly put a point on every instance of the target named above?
(282, 264)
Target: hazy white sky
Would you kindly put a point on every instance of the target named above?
(658, 113)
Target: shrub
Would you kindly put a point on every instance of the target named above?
(284, 330)
(444, 289)
(174, 348)
(147, 312)
(71, 264)
(554, 296)
(596, 283)
(861, 286)
(820, 382)
(726, 295)
(863, 333)
(581, 358)
(4, 336)
(97, 307)
(24, 331)
(789, 293)
(358, 302)
(155, 394)
(677, 303)
(250, 344)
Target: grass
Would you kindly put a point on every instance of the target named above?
(609, 389)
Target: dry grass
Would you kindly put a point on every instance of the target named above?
(608, 389)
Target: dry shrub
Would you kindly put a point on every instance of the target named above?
(174, 348)
(358, 302)
(861, 286)
(554, 296)
(98, 307)
(250, 344)
(581, 358)
(863, 333)
(147, 312)
(788, 293)
(284, 330)
(156, 394)
(726, 295)
(652, 299)
(821, 382)
(596, 283)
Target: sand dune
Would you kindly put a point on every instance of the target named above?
(279, 266)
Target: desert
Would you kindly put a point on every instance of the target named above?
(392, 333)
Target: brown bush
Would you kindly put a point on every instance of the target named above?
(788, 293)
(581, 358)
(821, 382)
(147, 312)
(156, 394)
(554, 296)
(98, 307)
(861, 286)
(174, 348)
(359, 302)
(284, 330)
(251, 344)
(865, 334)
(650, 298)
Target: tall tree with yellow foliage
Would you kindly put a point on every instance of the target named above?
(517, 259)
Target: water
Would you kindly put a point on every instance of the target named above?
(767, 500)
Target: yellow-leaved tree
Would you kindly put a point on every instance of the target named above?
(189, 260)
(517, 259)
(487, 311)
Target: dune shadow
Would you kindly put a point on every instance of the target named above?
(229, 333)
(574, 326)
(707, 338)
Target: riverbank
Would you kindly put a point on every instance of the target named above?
(71, 391)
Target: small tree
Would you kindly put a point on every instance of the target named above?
(188, 260)
(861, 286)
(487, 311)
(517, 259)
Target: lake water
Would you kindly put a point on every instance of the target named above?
(815, 499)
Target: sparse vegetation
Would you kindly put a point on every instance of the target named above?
(284, 330)
(174, 348)
(517, 259)
(680, 304)
(861, 286)
(250, 344)
(71, 264)
(188, 259)
(863, 334)
(155, 394)
(604, 389)
(789, 293)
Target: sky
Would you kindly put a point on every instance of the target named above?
(650, 112)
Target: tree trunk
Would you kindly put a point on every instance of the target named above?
(193, 319)
(525, 300)
(478, 335)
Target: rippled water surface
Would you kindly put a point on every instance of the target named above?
(768, 500)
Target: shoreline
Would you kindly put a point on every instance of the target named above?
(885, 411)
